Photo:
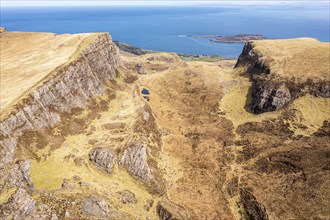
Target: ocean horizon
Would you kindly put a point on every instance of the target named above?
(92, 128)
(163, 28)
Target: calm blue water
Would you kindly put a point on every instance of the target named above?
(158, 28)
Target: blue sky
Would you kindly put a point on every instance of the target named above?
(157, 3)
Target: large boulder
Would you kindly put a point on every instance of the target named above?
(167, 210)
(104, 158)
(17, 174)
(139, 68)
(20, 205)
(135, 159)
(127, 196)
(95, 206)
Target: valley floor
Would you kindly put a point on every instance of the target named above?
(190, 149)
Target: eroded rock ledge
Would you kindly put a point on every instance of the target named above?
(283, 70)
(73, 85)
(70, 86)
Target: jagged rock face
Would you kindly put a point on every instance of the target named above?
(17, 175)
(25, 170)
(167, 210)
(94, 206)
(7, 149)
(139, 68)
(19, 206)
(104, 158)
(135, 159)
(73, 86)
(269, 97)
(272, 90)
(251, 209)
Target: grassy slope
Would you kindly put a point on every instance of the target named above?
(28, 58)
(301, 58)
(198, 104)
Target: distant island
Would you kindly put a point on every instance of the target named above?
(240, 38)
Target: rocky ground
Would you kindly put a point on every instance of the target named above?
(167, 138)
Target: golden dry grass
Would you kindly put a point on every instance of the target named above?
(198, 103)
(57, 165)
(313, 110)
(181, 98)
(6, 194)
(300, 58)
(27, 58)
(172, 91)
(236, 101)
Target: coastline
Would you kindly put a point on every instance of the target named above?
(239, 38)
(128, 48)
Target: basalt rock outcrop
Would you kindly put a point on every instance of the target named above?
(104, 158)
(18, 174)
(131, 49)
(95, 206)
(283, 70)
(73, 85)
(135, 160)
(139, 161)
(167, 210)
(20, 206)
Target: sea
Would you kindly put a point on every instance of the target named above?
(167, 28)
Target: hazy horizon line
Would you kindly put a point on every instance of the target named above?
(61, 3)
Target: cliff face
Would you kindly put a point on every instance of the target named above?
(291, 71)
(70, 86)
(88, 142)
(122, 138)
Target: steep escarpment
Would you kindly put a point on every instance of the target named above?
(283, 70)
(70, 86)
(104, 135)
(81, 133)
(279, 158)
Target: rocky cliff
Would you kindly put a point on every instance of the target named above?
(70, 86)
(283, 70)
(87, 136)
(69, 96)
